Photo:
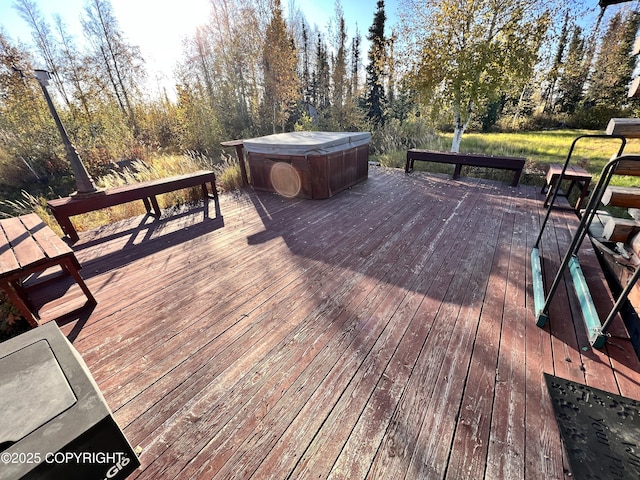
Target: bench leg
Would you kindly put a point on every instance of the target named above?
(457, 171)
(67, 227)
(214, 189)
(69, 265)
(516, 178)
(548, 190)
(13, 292)
(156, 207)
(147, 205)
(243, 168)
(584, 193)
(151, 206)
(408, 167)
(205, 191)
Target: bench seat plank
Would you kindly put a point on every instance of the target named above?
(471, 159)
(8, 261)
(129, 193)
(28, 246)
(64, 208)
(52, 245)
(24, 247)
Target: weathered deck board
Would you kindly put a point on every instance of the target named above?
(542, 454)
(409, 251)
(348, 413)
(404, 451)
(386, 332)
(507, 430)
(469, 448)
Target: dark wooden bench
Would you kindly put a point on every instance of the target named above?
(577, 175)
(64, 208)
(459, 159)
(28, 246)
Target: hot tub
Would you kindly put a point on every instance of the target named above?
(308, 164)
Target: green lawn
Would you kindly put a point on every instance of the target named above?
(539, 148)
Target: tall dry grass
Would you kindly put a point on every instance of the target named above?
(540, 148)
(227, 178)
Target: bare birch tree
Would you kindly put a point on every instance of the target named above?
(45, 43)
(375, 98)
(119, 62)
(222, 67)
(73, 69)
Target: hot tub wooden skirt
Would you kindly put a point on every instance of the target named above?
(321, 172)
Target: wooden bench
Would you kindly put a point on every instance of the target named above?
(64, 208)
(28, 246)
(471, 159)
(573, 173)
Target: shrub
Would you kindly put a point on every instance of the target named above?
(596, 117)
(12, 322)
(393, 136)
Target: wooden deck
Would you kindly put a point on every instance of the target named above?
(385, 333)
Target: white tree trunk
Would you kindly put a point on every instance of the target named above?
(459, 127)
(457, 138)
(458, 130)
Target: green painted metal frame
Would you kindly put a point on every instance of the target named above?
(542, 302)
(538, 286)
(596, 335)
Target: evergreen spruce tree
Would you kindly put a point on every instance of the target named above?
(306, 76)
(574, 75)
(340, 79)
(375, 98)
(322, 81)
(355, 63)
(614, 65)
(554, 73)
(279, 66)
